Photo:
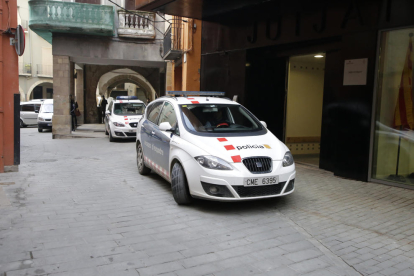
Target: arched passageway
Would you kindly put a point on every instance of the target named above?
(41, 90)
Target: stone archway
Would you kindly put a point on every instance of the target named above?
(94, 73)
(29, 93)
(135, 79)
(22, 95)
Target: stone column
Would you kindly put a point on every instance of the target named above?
(62, 89)
(80, 96)
(169, 75)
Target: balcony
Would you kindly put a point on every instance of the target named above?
(47, 17)
(44, 70)
(25, 69)
(173, 40)
(136, 24)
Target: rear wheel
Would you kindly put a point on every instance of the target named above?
(142, 169)
(39, 130)
(179, 185)
(22, 124)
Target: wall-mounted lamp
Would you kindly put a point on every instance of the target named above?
(318, 56)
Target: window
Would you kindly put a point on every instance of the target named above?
(218, 118)
(393, 152)
(129, 108)
(154, 111)
(27, 107)
(168, 115)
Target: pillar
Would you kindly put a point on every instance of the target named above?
(62, 89)
(169, 83)
(79, 93)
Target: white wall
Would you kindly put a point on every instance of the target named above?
(37, 52)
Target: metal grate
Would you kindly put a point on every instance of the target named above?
(290, 186)
(258, 164)
(259, 190)
(130, 134)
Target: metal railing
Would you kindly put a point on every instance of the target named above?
(136, 24)
(45, 70)
(25, 68)
(173, 39)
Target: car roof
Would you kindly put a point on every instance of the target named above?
(128, 101)
(199, 100)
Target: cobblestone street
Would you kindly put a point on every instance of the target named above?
(80, 207)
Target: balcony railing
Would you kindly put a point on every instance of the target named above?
(25, 68)
(47, 17)
(173, 40)
(45, 70)
(136, 24)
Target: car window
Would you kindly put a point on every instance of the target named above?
(46, 108)
(154, 111)
(129, 108)
(218, 118)
(27, 107)
(37, 106)
(168, 115)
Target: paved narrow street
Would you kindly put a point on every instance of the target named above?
(79, 207)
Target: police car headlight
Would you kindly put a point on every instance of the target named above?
(118, 124)
(41, 119)
(287, 159)
(212, 162)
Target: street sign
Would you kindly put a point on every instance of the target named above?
(20, 40)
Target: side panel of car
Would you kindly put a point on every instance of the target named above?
(27, 113)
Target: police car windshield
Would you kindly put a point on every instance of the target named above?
(129, 109)
(47, 108)
(218, 118)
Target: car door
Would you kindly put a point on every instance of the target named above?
(28, 114)
(161, 139)
(148, 128)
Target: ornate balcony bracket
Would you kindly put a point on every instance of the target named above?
(136, 24)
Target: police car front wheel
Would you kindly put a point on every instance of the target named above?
(179, 185)
(142, 169)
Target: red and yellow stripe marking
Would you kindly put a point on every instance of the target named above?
(157, 168)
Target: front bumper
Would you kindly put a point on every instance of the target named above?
(230, 184)
(44, 124)
(124, 132)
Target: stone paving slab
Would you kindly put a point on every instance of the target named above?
(79, 207)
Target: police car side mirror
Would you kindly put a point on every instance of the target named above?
(36, 111)
(107, 112)
(165, 126)
(264, 124)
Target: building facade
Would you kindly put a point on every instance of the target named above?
(99, 48)
(332, 79)
(36, 64)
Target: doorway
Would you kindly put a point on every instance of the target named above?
(304, 103)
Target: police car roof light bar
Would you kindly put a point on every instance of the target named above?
(127, 98)
(195, 93)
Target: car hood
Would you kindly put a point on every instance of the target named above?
(133, 118)
(46, 115)
(247, 146)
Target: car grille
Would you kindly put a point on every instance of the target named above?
(267, 190)
(258, 164)
(130, 134)
(133, 124)
(48, 120)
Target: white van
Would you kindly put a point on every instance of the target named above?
(44, 120)
(28, 113)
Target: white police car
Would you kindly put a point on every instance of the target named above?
(212, 148)
(122, 116)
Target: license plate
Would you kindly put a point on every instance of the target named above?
(49, 124)
(261, 181)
